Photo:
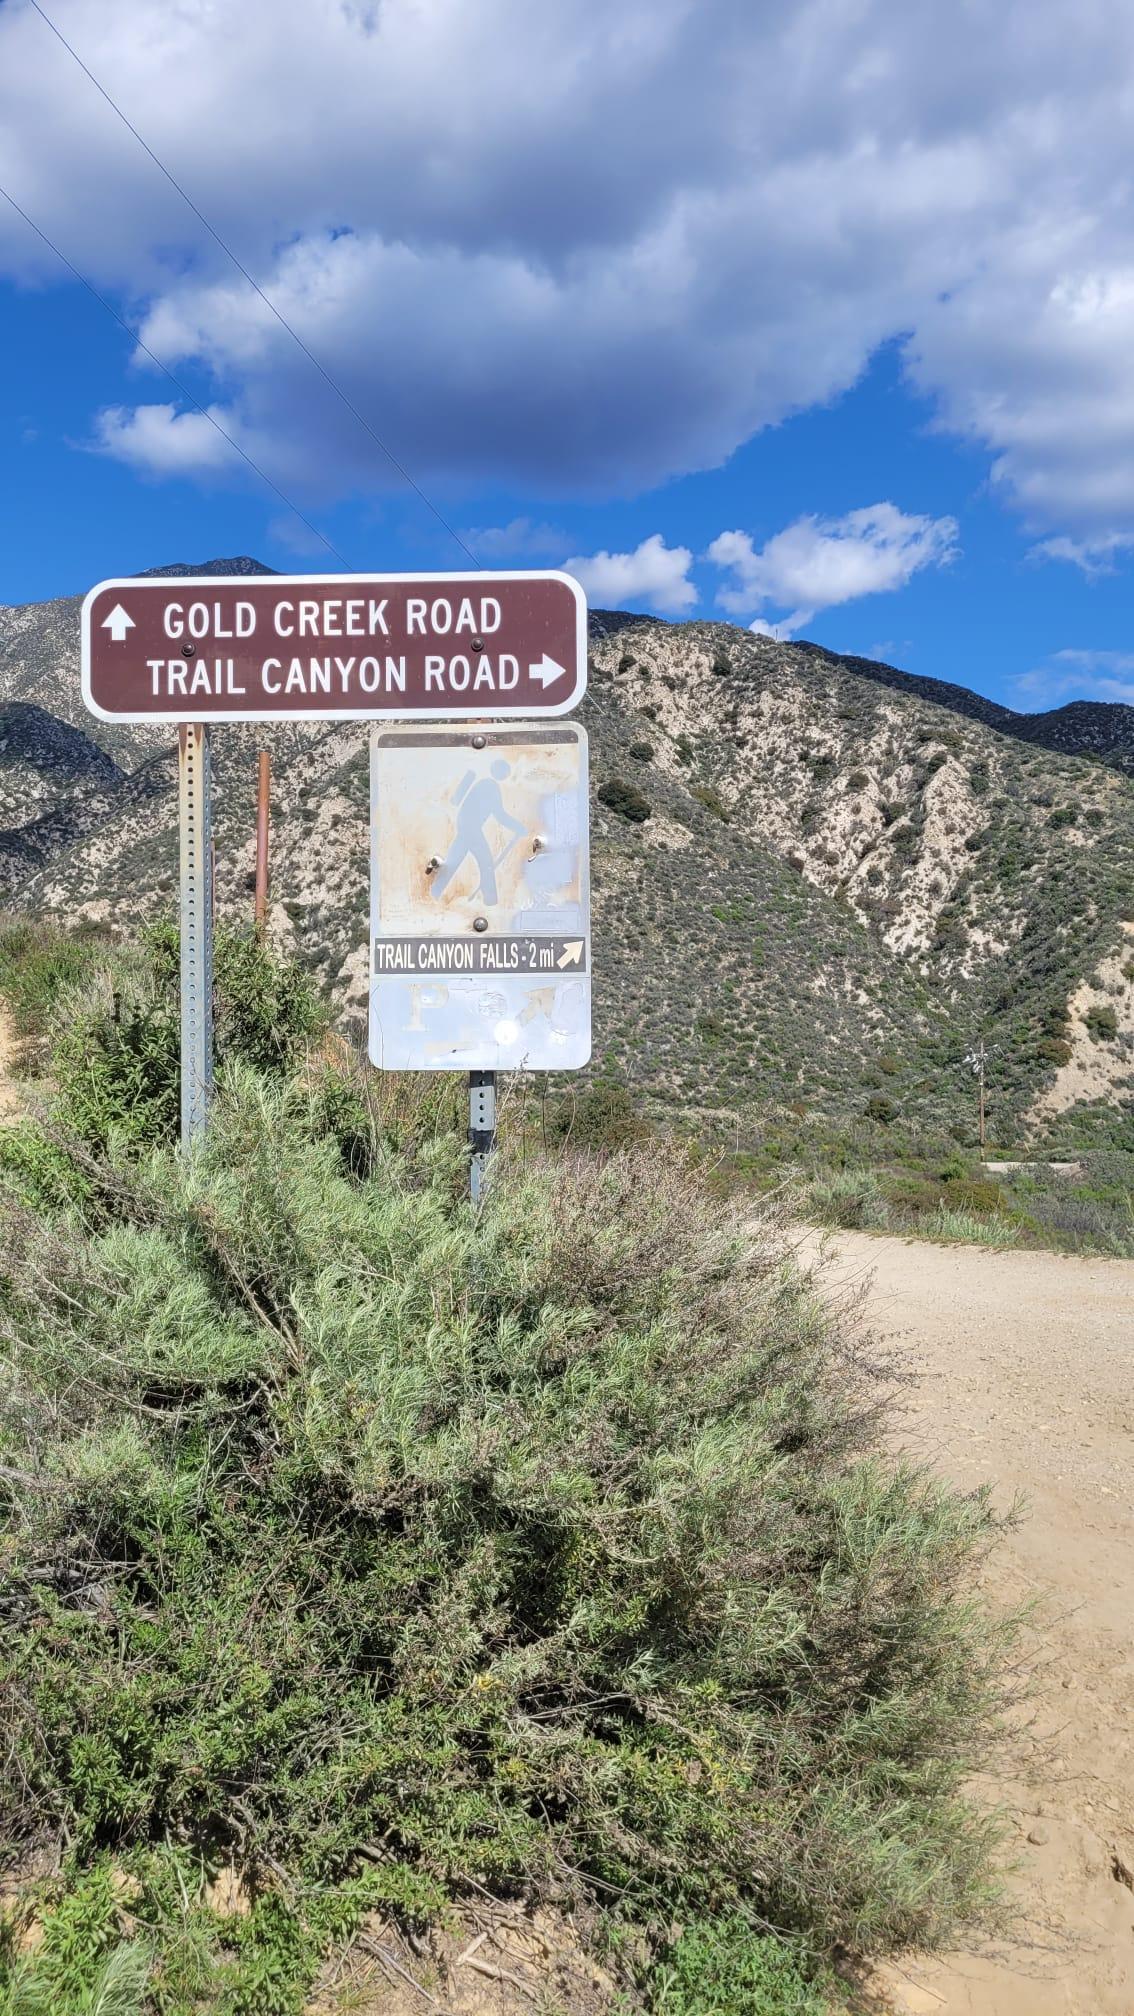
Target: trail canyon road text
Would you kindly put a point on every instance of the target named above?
(336, 645)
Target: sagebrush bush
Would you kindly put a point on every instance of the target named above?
(39, 960)
(851, 1198)
(546, 1551)
(117, 1048)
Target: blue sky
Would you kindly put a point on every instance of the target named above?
(817, 317)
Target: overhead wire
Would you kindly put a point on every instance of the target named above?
(171, 375)
(281, 318)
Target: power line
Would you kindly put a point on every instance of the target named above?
(281, 318)
(171, 375)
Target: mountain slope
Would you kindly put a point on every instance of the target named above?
(840, 883)
(1100, 728)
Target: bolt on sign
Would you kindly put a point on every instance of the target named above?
(334, 647)
(480, 899)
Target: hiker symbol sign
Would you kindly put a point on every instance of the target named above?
(480, 900)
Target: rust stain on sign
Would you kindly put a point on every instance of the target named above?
(480, 924)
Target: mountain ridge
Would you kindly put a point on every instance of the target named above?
(842, 874)
(1103, 729)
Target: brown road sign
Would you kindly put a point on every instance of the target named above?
(334, 646)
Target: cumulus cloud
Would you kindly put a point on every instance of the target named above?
(653, 573)
(160, 441)
(817, 563)
(478, 219)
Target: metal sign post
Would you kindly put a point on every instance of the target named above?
(263, 797)
(194, 763)
(482, 1129)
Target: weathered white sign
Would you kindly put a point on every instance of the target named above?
(480, 899)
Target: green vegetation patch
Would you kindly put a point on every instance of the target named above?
(384, 1553)
(625, 799)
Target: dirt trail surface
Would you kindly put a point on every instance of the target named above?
(9, 1096)
(1024, 1371)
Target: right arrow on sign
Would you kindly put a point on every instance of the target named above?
(571, 954)
(547, 671)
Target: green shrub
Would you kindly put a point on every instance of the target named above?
(39, 962)
(625, 799)
(549, 1550)
(1101, 1022)
(642, 752)
(1054, 1050)
(81, 1966)
(879, 1108)
(970, 1229)
(712, 801)
(981, 1195)
(118, 1056)
(850, 1198)
(600, 1118)
(724, 1968)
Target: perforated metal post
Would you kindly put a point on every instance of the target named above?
(482, 1128)
(263, 803)
(195, 795)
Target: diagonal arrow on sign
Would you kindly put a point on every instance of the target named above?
(118, 622)
(547, 671)
(571, 953)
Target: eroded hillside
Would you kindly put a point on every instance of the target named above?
(837, 884)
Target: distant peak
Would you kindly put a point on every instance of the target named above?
(242, 564)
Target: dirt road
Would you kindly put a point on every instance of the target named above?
(1025, 1378)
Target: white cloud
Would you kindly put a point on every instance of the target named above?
(478, 217)
(160, 441)
(1093, 557)
(817, 563)
(654, 573)
(1079, 675)
(521, 538)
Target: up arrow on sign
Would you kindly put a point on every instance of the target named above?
(118, 623)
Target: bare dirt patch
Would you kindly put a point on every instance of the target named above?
(502, 1961)
(9, 1049)
(1023, 1365)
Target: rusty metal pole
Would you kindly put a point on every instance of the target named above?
(194, 767)
(263, 804)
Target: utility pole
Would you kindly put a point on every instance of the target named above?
(263, 800)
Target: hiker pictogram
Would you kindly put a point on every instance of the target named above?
(478, 805)
(480, 951)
